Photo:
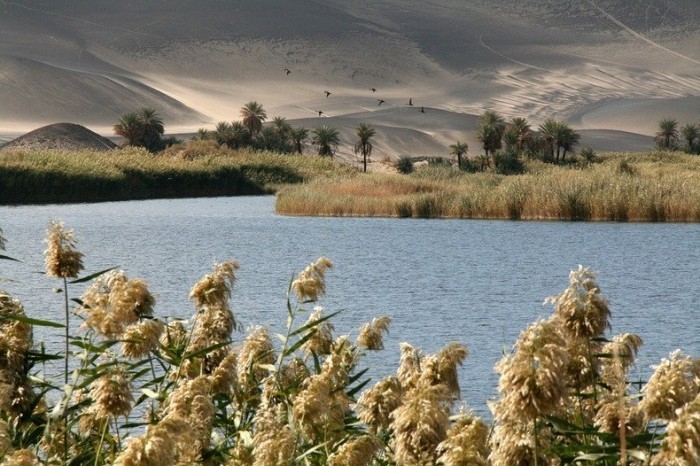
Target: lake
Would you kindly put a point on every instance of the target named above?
(477, 282)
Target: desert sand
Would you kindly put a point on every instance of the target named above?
(611, 68)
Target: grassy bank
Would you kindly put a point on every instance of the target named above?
(147, 390)
(621, 187)
(196, 170)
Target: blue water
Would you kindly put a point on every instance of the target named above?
(477, 282)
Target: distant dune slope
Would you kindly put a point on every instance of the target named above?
(591, 62)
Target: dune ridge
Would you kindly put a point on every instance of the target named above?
(610, 68)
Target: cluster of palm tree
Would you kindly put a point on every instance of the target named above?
(144, 128)
(669, 136)
(280, 136)
(551, 142)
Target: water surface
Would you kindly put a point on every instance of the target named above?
(476, 282)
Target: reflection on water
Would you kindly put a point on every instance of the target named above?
(476, 282)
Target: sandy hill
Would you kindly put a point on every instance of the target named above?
(610, 67)
(62, 136)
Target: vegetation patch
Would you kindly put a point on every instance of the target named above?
(650, 187)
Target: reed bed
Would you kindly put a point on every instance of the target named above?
(192, 170)
(132, 387)
(641, 187)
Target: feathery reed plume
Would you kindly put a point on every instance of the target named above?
(466, 443)
(141, 338)
(174, 336)
(274, 442)
(163, 443)
(682, 444)
(15, 335)
(625, 346)
(16, 395)
(192, 401)
(311, 284)
(318, 410)
(532, 379)
(421, 423)
(5, 441)
(582, 308)
(24, 457)
(370, 336)
(240, 455)
(111, 394)
(409, 369)
(672, 385)
(514, 443)
(61, 257)
(357, 452)
(448, 359)
(375, 405)
(223, 378)
(321, 338)
(113, 302)
(215, 288)
(340, 363)
(257, 349)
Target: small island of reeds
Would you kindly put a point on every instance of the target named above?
(645, 187)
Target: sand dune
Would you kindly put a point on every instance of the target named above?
(611, 68)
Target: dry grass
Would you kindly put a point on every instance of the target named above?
(624, 187)
(198, 168)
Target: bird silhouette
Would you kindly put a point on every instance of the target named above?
(381, 101)
(410, 102)
(327, 94)
(288, 71)
(422, 110)
(320, 113)
(373, 89)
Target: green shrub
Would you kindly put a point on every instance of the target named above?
(405, 165)
(508, 162)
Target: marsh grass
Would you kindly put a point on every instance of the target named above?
(147, 390)
(196, 169)
(648, 187)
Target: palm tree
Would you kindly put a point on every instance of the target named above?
(253, 116)
(202, 135)
(129, 127)
(489, 131)
(690, 132)
(459, 149)
(551, 131)
(326, 140)
(298, 136)
(364, 145)
(240, 137)
(568, 139)
(223, 133)
(668, 132)
(520, 128)
(153, 129)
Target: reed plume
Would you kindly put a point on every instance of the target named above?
(274, 442)
(370, 336)
(257, 350)
(420, 424)
(141, 338)
(682, 444)
(321, 339)
(114, 302)
(359, 451)
(24, 457)
(62, 259)
(409, 369)
(466, 443)
(311, 283)
(672, 385)
(111, 394)
(375, 405)
(166, 442)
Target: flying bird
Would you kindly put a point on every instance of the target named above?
(320, 113)
(373, 89)
(381, 101)
(410, 101)
(327, 94)
(288, 71)
(422, 110)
